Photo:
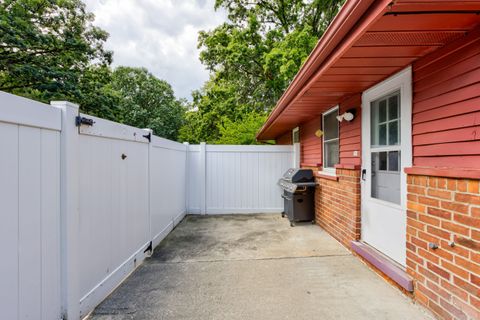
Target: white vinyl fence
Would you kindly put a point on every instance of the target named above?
(236, 179)
(29, 209)
(84, 200)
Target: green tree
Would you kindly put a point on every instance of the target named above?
(241, 131)
(147, 102)
(96, 96)
(253, 57)
(45, 47)
(50, 50)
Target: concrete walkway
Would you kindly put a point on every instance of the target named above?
(254, 267)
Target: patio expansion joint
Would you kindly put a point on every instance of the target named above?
(153, 261)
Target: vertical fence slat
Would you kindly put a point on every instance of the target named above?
(9, 225)
(203, 178)
(50, 226)
(29, 215)
(187, 176)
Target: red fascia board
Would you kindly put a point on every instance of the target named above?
(349, 24)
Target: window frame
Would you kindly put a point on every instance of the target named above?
(330, 170)
(294, 131)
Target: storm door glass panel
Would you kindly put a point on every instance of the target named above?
(385, 148)
(385, 121)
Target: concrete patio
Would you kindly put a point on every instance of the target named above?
(254, 267)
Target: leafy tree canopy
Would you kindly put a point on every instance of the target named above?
(45, 45)
(147, 102)
(252, 59)
(242, 131)
(50, 50)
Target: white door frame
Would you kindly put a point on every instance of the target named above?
(402, 82)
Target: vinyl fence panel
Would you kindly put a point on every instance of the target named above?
(237, 179)
(30, 214)
(167, 186)
(114, 206)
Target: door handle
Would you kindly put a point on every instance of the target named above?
(364, 174)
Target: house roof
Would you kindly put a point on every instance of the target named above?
(366, 43)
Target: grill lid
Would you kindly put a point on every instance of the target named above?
(292, 187)
(296, 175)
(294, 178)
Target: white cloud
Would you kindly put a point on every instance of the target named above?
(160, 35)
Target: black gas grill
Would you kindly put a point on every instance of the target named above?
(298, 195)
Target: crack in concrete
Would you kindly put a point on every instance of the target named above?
(249, 259)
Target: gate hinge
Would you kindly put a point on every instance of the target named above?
(149, 249)
(148, 136)
(79, 120)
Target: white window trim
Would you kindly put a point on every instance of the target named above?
(329, 171)
(295, 130)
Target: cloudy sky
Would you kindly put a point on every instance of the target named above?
(160, 35)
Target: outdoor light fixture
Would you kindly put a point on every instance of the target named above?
(319, 133)
(349, 115)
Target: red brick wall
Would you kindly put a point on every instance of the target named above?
(447, 279)
(337, 205)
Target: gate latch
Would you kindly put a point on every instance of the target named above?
(148, 136)
(79, 120)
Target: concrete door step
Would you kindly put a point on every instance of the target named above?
(384, 264)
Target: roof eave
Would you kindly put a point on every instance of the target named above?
(349, 16)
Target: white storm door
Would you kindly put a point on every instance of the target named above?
(386, 151)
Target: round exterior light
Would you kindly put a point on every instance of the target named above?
(348, 116)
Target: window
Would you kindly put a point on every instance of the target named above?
(330, 139)
(295, 135)
(385, 121)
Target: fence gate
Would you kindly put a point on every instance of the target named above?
(113, 204)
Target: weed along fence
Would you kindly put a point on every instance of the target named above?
(84, 200)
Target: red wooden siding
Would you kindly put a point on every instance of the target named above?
(446, 106)
(350, 133)
(285, 138)
(350, 137)
(310, 144)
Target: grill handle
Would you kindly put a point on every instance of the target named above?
(286, 198)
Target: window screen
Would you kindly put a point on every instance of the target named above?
(296, 135)
(330, 139)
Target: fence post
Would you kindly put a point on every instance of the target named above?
(69, 210)
(187, 166)
(150, 233)
(203, 178)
